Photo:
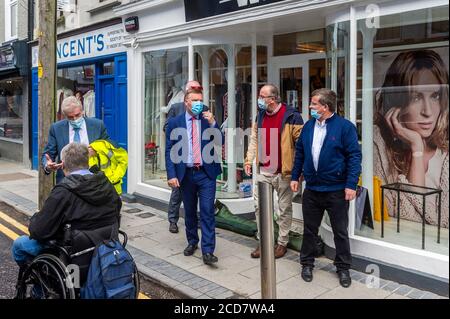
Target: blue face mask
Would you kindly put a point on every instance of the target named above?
(315, 114)
(262, 104)
(197, 107)
(76, 124)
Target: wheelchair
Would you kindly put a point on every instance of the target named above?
(51, 275)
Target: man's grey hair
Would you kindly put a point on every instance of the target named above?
(69, 104)
(274, 91)
(75, 156)
(326, 97)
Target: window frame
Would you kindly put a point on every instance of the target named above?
(8, 20)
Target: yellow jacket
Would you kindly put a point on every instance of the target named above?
(111, 160)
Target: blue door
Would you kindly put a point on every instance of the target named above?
(112, 101)
(34, 120)
(107, 105)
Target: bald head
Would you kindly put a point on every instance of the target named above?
(193, 85)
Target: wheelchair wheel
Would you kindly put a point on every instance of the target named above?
(45, 278)
(136, 282)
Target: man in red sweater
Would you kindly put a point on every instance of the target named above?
(272, 143)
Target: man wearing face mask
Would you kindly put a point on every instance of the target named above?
(329, 157)
(272, 143)
(175, 197)
(75, 128)
(193, 167)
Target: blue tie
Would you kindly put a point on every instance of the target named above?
(76, 137)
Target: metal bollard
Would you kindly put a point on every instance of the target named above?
(268, 270)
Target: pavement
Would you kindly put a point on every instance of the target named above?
(159, 255)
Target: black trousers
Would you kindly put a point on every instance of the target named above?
(313, 208)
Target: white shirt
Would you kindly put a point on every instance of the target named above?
(433, 174)
(83, 134)
(320, 131)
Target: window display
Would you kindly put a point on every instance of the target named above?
(76, 81)
(410, 123)
(11, 108)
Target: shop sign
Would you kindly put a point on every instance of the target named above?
(7, 59)
(199, 9)
(87, 45)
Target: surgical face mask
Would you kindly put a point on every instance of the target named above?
(262, 104)
(315, 114)
(76, 124)
(197, 107)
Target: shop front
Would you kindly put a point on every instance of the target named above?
(92, 65)
(366, 53)
(14, 101)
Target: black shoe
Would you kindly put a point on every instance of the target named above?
(344, 278)
(307, 273)
(189, 250)
(173, 228)
(209, 259)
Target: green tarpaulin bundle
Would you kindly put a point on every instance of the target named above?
(227, 220)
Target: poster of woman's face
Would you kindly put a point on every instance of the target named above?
(411, 119)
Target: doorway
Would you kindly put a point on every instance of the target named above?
(298, 76)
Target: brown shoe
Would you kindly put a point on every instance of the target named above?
(256, 253)
(280, 251)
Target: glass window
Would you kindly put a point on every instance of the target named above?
(78, 81)
(11, 108)
(107, 68)
(166, 73)
(311, 41)
(13, 19)
(403, 82)
(338, 45)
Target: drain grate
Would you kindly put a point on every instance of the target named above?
(146, 215)
(133, 210)
(13, 177)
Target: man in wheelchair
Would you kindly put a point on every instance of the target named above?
(80, 212)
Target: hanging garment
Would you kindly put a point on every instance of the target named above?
(89, 103)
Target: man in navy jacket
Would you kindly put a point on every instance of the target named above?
(74, 128)
(328, 156)
(193, 165)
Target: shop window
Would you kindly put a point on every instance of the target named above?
(11, 108)
(407, 73)
(76, 81)
(166, 73)
(198, 67)
(312, 41)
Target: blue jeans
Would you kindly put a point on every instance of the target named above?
(24, 249)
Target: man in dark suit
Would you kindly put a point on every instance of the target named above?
(194, 169)
(75, 128)
(175, 197)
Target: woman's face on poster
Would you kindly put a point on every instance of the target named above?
(422, 112)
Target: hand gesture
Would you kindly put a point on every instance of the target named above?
(207, 115)
(409, 136)
(52, 166)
